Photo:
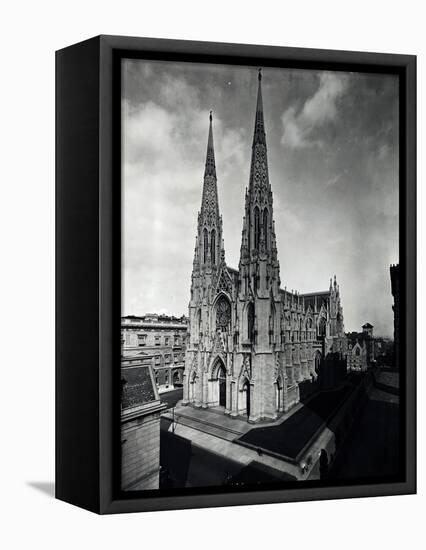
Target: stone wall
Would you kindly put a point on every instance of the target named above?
(140, 447)
(333, 436)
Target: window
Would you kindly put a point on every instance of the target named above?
(265, 226)
(177, 340)
(141, 339)
(157, 341)
(205, 244)
(250, 322)
(321, 327)
(213, 246)
(167, 358)
(223, 313)
(166, 340)
(199, 322)
(157, 359)
(256, 228)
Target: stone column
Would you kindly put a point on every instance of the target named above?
(205, 390)
(185, 382)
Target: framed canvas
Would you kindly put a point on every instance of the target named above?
(236, 291)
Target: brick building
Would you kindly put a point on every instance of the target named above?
(158, 340)
(140, 426)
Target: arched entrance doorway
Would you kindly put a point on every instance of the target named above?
(221, 378)
(217, 384)
(247, 396)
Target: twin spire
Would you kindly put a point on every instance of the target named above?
(258, 137)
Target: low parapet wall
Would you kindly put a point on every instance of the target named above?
(328, 432)
(333, 436)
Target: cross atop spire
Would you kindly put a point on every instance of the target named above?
(210, 169)
(259, 126)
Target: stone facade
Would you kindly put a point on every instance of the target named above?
(357, 356)
(160, 341)
(140, 427)
(252, 343)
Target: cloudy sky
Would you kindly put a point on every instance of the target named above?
(332, 142)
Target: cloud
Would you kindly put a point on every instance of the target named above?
(300, 123)
(164, 148)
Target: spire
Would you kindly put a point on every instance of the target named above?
(210, 169)
(209, 201)
(259, 126)
(209, 218)
(258, 258)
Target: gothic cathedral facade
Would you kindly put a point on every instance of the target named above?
(251, 343)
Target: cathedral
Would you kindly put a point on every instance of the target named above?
(251, 344)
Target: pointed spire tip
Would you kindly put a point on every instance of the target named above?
(211, 116)
(259, 73)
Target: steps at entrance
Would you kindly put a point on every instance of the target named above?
(207, 424)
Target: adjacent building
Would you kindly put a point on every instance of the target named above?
(252, 343)
(366, 350)
(140, 426)
(160, 341)
(360, 352)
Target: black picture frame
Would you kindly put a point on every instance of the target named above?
(88, 267)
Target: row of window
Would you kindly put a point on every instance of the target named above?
(176, 378)
(168, 358)
(257, 228)
(160, 340)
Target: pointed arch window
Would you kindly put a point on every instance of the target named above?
(271, 324)
(205, 244)
(256, 228)
(213, 246)
(250, 322)
(199, 323)
(265, 226)
(223, 314)
(322, 328)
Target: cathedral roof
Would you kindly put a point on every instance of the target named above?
(318, 298)
(138, 387)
